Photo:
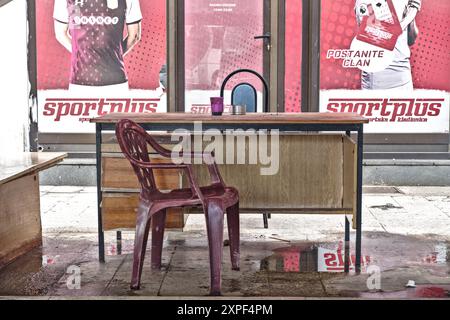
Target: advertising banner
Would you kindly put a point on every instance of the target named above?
(96, 57)
(387, 60)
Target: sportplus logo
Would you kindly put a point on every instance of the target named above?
(95, 107)
(389, 109)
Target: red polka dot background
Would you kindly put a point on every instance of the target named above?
(430, 55)
(143, 63)
(220, 40)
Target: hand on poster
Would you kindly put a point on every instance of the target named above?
(380, 25)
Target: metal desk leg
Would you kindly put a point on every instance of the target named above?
(119, 242)
(347, 246)
(347, 234)
(359, 198)
(101, 237)
(266, 220)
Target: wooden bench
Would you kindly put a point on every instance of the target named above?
(20, 219)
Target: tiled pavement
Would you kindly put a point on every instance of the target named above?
(406, 235)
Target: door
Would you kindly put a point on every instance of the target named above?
(221, 37)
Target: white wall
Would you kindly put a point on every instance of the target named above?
(14, 86)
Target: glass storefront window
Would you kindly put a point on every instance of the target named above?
(219, 39)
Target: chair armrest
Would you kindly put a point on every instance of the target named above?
(196, 191)
(213, 169)
(214, 172)
(166, 153)
(208, 158)
(149, 165)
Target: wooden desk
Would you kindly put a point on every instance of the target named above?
(20, 220)
(310, 122)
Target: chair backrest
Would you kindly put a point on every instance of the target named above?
(133, 141)
(245, 94)
(246, 88)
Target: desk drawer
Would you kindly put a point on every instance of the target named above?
(121, 193)
(117, 173)
(119, 212)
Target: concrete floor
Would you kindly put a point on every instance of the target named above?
(406, 237)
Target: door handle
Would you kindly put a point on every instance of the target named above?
(265, 36)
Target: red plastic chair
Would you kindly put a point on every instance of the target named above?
(216, 199)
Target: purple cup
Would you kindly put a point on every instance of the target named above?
(217, 106)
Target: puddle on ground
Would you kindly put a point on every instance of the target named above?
(330, 258)
(38, 271)
(432, 292)
(440, 255)
(311, 258)
(49, 260)
(119, 247)
(421, 292)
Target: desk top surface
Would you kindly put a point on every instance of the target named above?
(269, 118)
(20, 165)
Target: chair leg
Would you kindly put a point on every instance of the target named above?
(140, 244)
(214, 223)
(234, 235)
(158, 225)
